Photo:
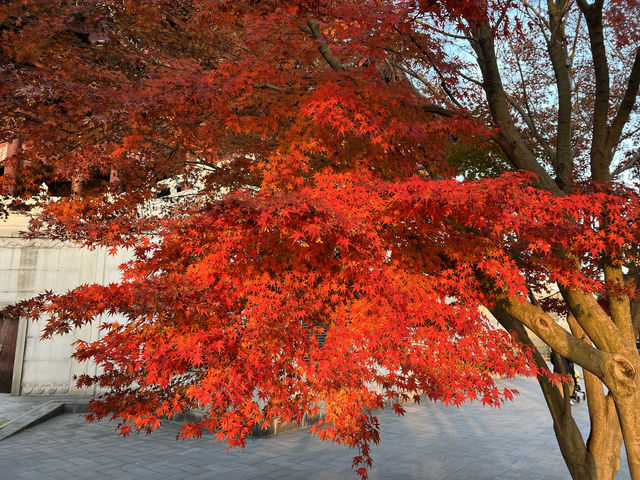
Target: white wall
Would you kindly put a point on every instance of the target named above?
(29, 267)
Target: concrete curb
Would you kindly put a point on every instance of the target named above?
(52, 408)
(42, 413)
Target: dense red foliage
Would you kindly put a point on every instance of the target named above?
(316, 145)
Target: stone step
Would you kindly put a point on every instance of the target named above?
(41, 413)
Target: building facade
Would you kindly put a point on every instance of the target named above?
(28, 364)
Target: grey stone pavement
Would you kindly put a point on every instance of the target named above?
(430, 442)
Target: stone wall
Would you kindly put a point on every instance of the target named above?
(29, 267)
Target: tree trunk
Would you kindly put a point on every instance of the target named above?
(579, 460)
(577, 456)
(599, 458)
(605, 438)
(628, 408)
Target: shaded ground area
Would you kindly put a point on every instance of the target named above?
(429, 442)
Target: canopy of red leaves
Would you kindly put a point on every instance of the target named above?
(324, 251)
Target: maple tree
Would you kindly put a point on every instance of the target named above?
(359, 179)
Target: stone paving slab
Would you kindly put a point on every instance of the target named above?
(431, 442)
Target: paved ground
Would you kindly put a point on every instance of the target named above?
(430, 442)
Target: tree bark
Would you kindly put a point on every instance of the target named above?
(626, 396)
(577, 457)
(605, 437)
(507, 137)
(560, 61)
(603, 338)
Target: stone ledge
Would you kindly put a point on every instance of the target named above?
(55, 407)
(42, 413)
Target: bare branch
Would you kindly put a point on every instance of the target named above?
(445, 112)
(560, 62)
(446, 34)
(628, 164)
(529, 112)
(529, 121)
(627, 104)
(412, 73)
(575, 40)
(507, 136)
(600, 157)
(268, 86)
(468, 78)
(443, 83)
(538, 15)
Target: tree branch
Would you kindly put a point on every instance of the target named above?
(560, 61)
(552, 394)
(541, 18)
(633, 277)
(626, 165)
(593, 319)
(526, 112)
(627, 104)
(575, 40)
(409, 71)
(314, 31)
(444, 112)
(507, 136)
(446, 34)
(553, 334)
(268, 86)
(529, 121)
(443, 83)
(605, 435)
(600, 157)
(619, 304)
